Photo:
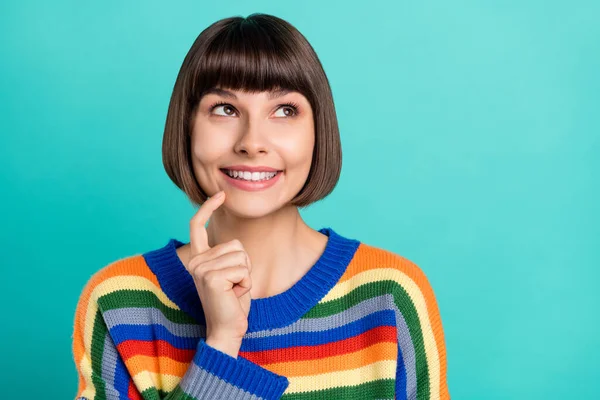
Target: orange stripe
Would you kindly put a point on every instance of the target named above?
(368, 257)
(377, 352)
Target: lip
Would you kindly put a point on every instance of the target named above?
(250, 168)
(249, 185)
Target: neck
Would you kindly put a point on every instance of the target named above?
(281, 247)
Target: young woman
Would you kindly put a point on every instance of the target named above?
(258, 305)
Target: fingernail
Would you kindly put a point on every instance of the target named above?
(218, 195)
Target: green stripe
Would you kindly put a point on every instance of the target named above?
(98, 335)
(145, 299)
(152, 394)
(178, 394)
(350, 299)
(378, 389)
(407, 309)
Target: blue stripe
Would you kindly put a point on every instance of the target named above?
(400, 377)
(121, 333)
(121, 379)
(376, 319)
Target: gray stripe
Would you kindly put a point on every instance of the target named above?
(201, 384)
(149, 316)
(352, 314)
(109, 365)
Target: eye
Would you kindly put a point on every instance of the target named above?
(227, 108)
(290, 109)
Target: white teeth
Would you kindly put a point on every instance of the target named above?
(251, 176)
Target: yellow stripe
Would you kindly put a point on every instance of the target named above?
(414, 292)
(146, 379)
(87, 394)
(85, 366)
(120, 282)
(379, 370)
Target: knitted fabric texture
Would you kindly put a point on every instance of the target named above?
(362, 323)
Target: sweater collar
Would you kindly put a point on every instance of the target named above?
(268, 312)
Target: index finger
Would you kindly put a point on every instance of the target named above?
(198, 234)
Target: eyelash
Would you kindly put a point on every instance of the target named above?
(290, 104)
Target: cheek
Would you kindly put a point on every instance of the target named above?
(207, 147)
(297, 148)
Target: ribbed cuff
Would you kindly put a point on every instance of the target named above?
(240, 372)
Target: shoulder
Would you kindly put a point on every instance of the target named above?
(385, 264)
(419, 315)
(410, 286)
(127, 273)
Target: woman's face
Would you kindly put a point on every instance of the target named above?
(250, 131)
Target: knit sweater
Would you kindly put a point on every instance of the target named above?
(362, 323)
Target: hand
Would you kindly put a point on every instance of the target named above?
(222, 278)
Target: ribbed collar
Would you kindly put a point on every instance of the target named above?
(268, 312)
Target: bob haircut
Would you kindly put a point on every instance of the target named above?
(253, 54)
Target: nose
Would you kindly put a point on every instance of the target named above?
(252, 140)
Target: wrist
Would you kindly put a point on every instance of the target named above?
(227, 346)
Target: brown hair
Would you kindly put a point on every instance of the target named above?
(258, 53)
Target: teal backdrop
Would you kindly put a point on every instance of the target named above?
(470, 134)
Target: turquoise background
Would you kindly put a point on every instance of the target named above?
(470, 135)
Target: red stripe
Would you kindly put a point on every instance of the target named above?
(155, 348)
(132, 392)
(300, 353)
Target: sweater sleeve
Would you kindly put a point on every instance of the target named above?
(212, 374)
(215, 375)
(421, 364)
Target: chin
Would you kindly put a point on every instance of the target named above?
(248, 205)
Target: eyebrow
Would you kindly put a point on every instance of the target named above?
(273, 94)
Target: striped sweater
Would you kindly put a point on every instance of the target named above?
(362, 323)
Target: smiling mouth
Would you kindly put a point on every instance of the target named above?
(248, 176)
